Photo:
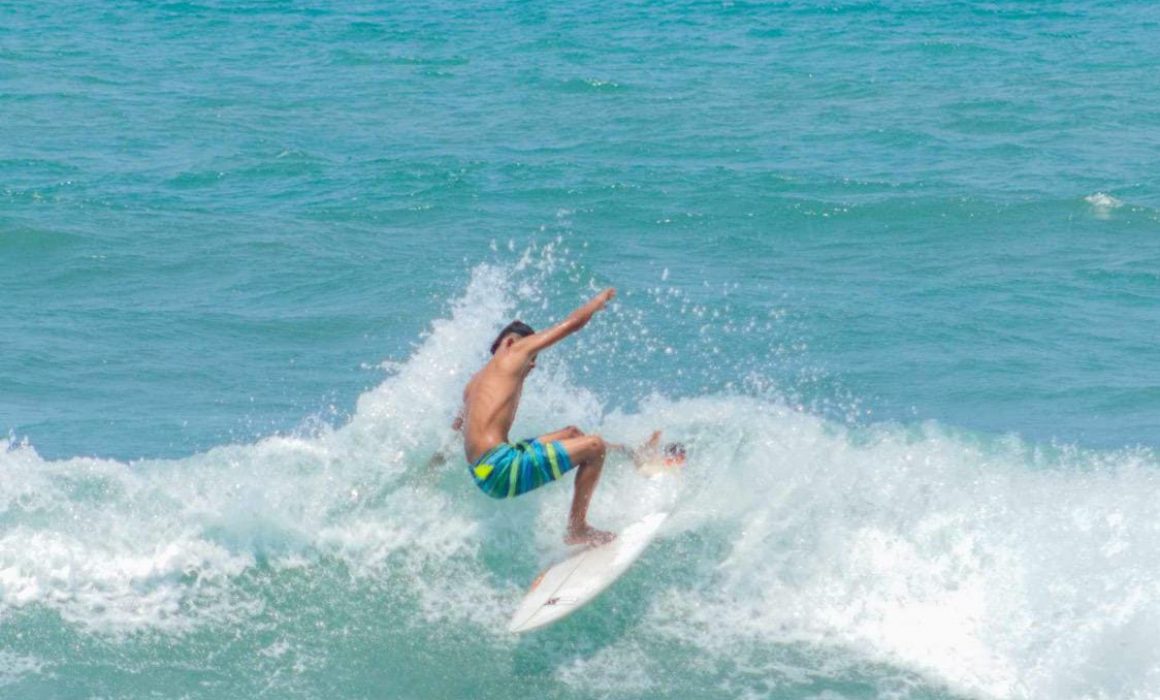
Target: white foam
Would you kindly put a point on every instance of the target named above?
(997, 568)
(1103, 204)
(621, 670)
(14, 667)
(162, 545)
(994, 569)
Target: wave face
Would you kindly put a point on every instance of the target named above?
(807, 557)
(245, 271)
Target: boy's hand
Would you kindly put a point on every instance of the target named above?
(584, 314)
(574, 322)
(604, 297)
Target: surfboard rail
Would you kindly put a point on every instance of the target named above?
(569, 585)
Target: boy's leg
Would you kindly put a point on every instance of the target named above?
(587, 453)
(562, 434)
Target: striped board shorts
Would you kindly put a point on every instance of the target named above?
(513, 468)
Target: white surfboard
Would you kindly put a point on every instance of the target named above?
(567, 586)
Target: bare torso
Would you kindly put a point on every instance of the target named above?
(490, 402)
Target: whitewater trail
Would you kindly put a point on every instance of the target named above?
(800, 547)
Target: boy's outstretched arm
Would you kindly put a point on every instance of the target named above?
(574, 322)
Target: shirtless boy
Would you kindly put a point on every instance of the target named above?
(504, 469)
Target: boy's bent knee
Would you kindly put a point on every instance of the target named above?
(585, 448)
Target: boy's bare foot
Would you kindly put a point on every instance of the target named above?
(588, 535)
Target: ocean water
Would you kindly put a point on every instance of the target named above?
(890, 269)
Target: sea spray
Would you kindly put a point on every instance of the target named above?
(805, 555)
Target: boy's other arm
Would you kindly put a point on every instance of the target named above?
(574, 322)
(457, 423)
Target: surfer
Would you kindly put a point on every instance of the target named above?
(505, 469)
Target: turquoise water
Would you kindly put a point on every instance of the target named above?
(890, 269)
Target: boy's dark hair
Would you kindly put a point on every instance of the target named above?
(674, 450)
(518, 327)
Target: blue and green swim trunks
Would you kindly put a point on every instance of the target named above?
(513, 468)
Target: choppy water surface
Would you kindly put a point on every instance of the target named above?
(890, 270)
